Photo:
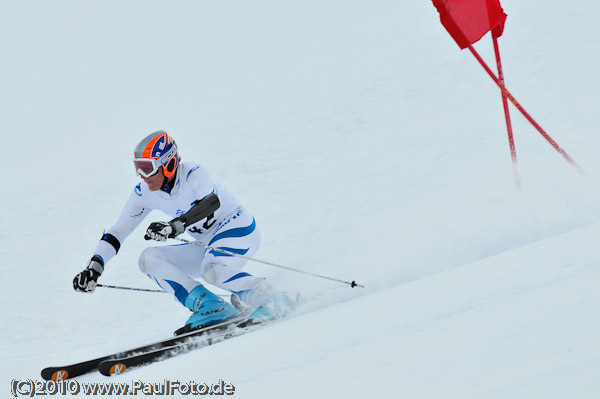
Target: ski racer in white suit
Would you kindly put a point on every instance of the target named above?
(181, 189)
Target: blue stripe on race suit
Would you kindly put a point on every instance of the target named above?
(237, 232)
(155, 280)
(190, 172)
(180, 292)
(234, 250)
(239, 275)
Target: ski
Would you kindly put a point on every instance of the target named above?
(120, 365)
(76, 369)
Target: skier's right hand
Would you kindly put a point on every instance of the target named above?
(86, 280)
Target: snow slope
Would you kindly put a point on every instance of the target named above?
(368, 147)
(516, 325)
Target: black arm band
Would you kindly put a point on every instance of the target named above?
(201, 209)
(112, 240)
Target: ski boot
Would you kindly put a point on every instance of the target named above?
(209, 309)
(268, 303)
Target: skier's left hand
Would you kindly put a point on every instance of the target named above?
(160, 231)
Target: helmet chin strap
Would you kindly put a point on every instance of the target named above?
(166, 182)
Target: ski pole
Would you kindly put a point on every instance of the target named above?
(129, 288)
(200, 244)
(141, 289)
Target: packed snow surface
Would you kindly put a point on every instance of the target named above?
(368, 147)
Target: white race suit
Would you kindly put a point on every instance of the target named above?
(173, 267)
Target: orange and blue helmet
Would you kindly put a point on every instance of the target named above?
(156, 150)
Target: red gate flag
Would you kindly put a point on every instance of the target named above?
(468, 20)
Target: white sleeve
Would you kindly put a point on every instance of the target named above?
(133, 213)
(202, 182)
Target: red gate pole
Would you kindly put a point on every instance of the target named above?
(511, 140)
(525, 114)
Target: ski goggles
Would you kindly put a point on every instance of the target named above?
(148, 167)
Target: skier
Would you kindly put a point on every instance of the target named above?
(201, 205)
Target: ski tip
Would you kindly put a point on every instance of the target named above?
(53, 374)
(60, 375)
(117, 369)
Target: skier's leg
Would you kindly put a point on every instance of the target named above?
(159, 264)
(164, 265)
(241, 236)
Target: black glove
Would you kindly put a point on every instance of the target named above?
(86, 280)
(160, 231)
